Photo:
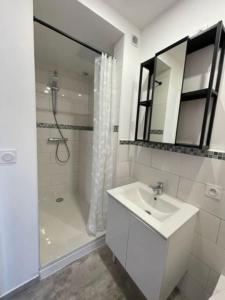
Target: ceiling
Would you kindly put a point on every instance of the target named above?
(57, 52)
(79, 21)
(140, 12)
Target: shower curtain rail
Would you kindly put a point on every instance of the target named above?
(67, 36)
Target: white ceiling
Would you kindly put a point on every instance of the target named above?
(77, 20)
(140, 12)
(57, 52)
(60, 53)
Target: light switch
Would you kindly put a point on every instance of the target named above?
(214, 191)
(8, 156)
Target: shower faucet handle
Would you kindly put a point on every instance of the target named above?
(57, 140)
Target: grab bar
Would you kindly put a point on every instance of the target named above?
(57, 140)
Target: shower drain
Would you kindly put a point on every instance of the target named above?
(60, 199)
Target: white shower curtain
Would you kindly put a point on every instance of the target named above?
(103, 141)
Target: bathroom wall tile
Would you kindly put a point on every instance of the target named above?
(209, 253)
(58, 179)
(44, 116)
(123, 181)
(132, 151)
(142, 155)
(44, 158)
(198, 270)
(194, 193)
(221, 236)
(167, 161)
(43, 181)
(207, 226)
(42, 102)
(42, 146)
(123, 153)
(81, 106)
(43, 133)
(215, 207)
(212, 281)
(191, 289)
(123, 169)
(63, 155)
(202, 169)
(64, 106)
(151, 176)
(191, 192)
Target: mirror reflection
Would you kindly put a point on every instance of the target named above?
(167, 91)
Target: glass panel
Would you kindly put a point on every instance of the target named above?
(143, 123)
(167, 91)
(144, 84)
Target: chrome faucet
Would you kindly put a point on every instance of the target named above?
(157, 189)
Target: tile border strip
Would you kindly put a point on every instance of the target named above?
(179, 149)
(71, 127)
(156, 131)
(63, 126)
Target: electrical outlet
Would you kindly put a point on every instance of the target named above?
(214, 191)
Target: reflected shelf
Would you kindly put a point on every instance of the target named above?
(198, 94)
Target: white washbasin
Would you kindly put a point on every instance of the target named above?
(153, 205)
(163, 213)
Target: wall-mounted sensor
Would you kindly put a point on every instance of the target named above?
(8, 156)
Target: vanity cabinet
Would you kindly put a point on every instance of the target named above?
(146, 254)
(156, 264)
(118, 219)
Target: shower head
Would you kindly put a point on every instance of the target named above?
(53, 84)
(53, 80)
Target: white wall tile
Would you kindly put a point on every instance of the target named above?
(191, 289)
(151, 176)
(167, 161)
(209, 253)
(142, 155)
(198, 270)
(207, 226)
(191, 192)
(212, 281)
(123, 169)
(123, 181)
(123, 153)
(43, 133)
(215, 207)
(204, 170)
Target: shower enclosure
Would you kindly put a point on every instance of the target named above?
(64, 99)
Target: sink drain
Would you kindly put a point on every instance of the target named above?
(60, 199)
(148, 212)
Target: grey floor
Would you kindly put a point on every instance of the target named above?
(92, 277)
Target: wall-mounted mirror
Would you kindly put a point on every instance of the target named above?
(169, 71)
